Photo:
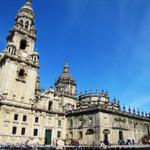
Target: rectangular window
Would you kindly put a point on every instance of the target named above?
(14, 130)
(58, 134)
(80, 135)
(70, 123)
(148, 130)
(24, 118)
(59, 104)
(23, 131)
(35, 132)
(59, 123)
(90, 121)
(36, 119)
(80, 122)
(71, 134)
(15, 116)
(49, 105)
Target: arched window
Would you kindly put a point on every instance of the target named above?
(27, 25)
(14, 51)
(9, 49)
(21, 73)
(23, 44)
(90, 131)
(21, 22)
(35, 58)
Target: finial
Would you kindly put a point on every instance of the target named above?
(142, 114)
(108, 99)
(138, 112)
(66, 67)
(124, 108)
(114, 100)
(29, 2)
(106, 93)
(129, 109)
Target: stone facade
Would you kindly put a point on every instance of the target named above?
(96, 118)
(30, 115)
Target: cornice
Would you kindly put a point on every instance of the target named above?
(14, 58)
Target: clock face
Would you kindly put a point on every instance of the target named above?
(24, 54)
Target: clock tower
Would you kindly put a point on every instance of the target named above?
(19, 62)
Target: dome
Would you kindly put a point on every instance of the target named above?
(66, 76)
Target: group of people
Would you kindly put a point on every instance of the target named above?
(101, 145)
(126, 142)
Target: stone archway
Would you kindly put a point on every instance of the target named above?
(90, 134)
(106, 139)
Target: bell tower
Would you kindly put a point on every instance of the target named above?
(23, 34)
(19, 62)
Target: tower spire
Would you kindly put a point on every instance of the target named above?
(29, 2)
(25, 29)
(66, 67)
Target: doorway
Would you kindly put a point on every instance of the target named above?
(120, 135)
(106, 132)
(106, 139)
(48, 136)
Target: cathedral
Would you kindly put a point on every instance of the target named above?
(55, 115)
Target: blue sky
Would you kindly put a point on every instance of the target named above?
(106, 42)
